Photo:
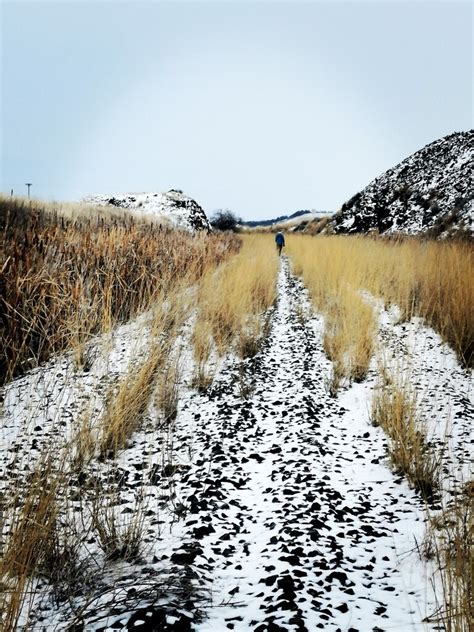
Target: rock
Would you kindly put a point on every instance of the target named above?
(200, 532)
(185, 556)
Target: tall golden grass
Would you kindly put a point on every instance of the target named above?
(66, 275)
(63, 280)
(350, 327)
(233, 299)
(349, 336)
(429, 279)
(34, 527)
(131, 397)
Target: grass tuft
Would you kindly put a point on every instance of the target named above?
(394, 408)
(30, 538)
(450, 541)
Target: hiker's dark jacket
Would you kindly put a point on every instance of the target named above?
(280, 240)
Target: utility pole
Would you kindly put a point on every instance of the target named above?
(28, 184)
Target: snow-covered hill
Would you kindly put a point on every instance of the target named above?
(432, 190)
(181, 210)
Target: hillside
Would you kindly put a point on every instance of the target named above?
(432, 191)
(181, 210)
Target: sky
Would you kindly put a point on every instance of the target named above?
(263, 107)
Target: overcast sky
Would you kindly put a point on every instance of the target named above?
(261, 107)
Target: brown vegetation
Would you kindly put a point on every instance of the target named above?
(63, 280)
(428, 279)
(232, 301)
(350, 326)
(450, 541)
(395, 409)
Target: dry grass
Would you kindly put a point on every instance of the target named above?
(127, 405)
(428, 279)
(395, 409)
(63, 280)
(87, 212)
(203, 347)
(118, 537)
(35, 511)
(232, 301)
(450, 540)
(129, 400)
(83, 444)
(349, 336)
(167, 391)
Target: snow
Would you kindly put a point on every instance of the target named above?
(267, 502)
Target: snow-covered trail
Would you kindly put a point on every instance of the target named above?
(268, 505)
(296, 521)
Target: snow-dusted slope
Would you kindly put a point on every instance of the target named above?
(181, 210)
(431, 190)
(294, 221)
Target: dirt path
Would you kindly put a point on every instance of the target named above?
(296, 521)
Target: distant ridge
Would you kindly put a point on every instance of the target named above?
(430, 192)
(280, 219)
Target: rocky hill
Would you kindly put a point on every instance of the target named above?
(179, 209)
(430, 192)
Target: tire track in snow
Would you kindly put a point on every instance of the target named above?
(296, 522)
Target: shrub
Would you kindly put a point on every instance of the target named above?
(226, 220)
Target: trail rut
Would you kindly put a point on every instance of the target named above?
(296, 521)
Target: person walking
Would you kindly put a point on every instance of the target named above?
(280, 242)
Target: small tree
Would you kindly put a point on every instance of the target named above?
(225, 219)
